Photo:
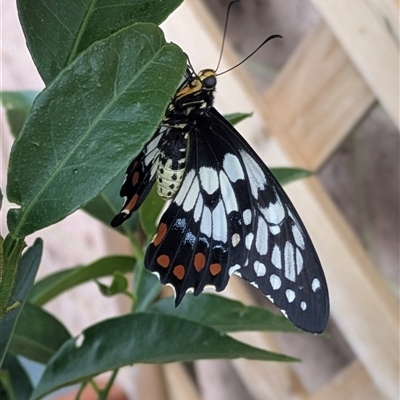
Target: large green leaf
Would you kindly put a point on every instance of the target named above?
(38, 335)
(53, 285)
(27, 268)
(140, 338)
(89, 123)
(57, 31)
(224, 314)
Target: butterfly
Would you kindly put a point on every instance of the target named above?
(227, 215)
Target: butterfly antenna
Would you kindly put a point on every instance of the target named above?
(255, 51)
(225, 29)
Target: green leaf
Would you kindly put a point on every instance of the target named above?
(141, 338)
(224, 314)
(235, 118)
(38, 335)
(13, 378)
(287, 175)
(118, 285)
(106, 205)
(149, 211)
(27, 268)
(53, 285)
(17, 106)
(89, 123)
(56, 32)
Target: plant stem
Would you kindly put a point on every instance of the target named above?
(103, 395)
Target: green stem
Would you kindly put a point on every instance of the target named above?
(139, 267)
(103, 395)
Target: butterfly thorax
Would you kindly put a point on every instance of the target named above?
(194, 96)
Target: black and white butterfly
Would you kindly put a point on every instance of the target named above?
(228, 213)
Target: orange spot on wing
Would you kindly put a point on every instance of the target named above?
(199, 261)
(179, 271)
(135, 178)
(163, 261)
(131, 205)
(161, 232)
(215, 269)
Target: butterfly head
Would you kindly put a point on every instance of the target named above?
(198, 86)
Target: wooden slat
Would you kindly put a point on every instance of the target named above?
(318, 97)
(351, 383)
(368, 31)
(179, 384)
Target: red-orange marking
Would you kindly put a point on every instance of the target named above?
(163, 261)
(199, 261)
(162, 230)
(132, 203)
(215, 269)
(135, 178)
(179, 271)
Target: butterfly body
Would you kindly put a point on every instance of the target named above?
(228, 214)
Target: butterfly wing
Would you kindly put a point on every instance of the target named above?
(139, 178)
(281, 259)
(230, 215)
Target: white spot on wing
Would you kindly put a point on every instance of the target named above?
(299, 261)
(316, 284)
(228, 195)
(233, 269)
(290, 272)
(205, 225)
(262, 237)
(254, 172)
(192, 195)
(208, 179)
(298, 237)
(232, 167)
(274, 213)
(249, 240)
(219, 223)
(269, 298)
(275, 281)
(276, 257)
(290, 295)
(247, 217)
(303, 305)
(274, 229)
(259, 268)
(186, 184)
(235, 239)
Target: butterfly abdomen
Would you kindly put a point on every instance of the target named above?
(172, 163)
